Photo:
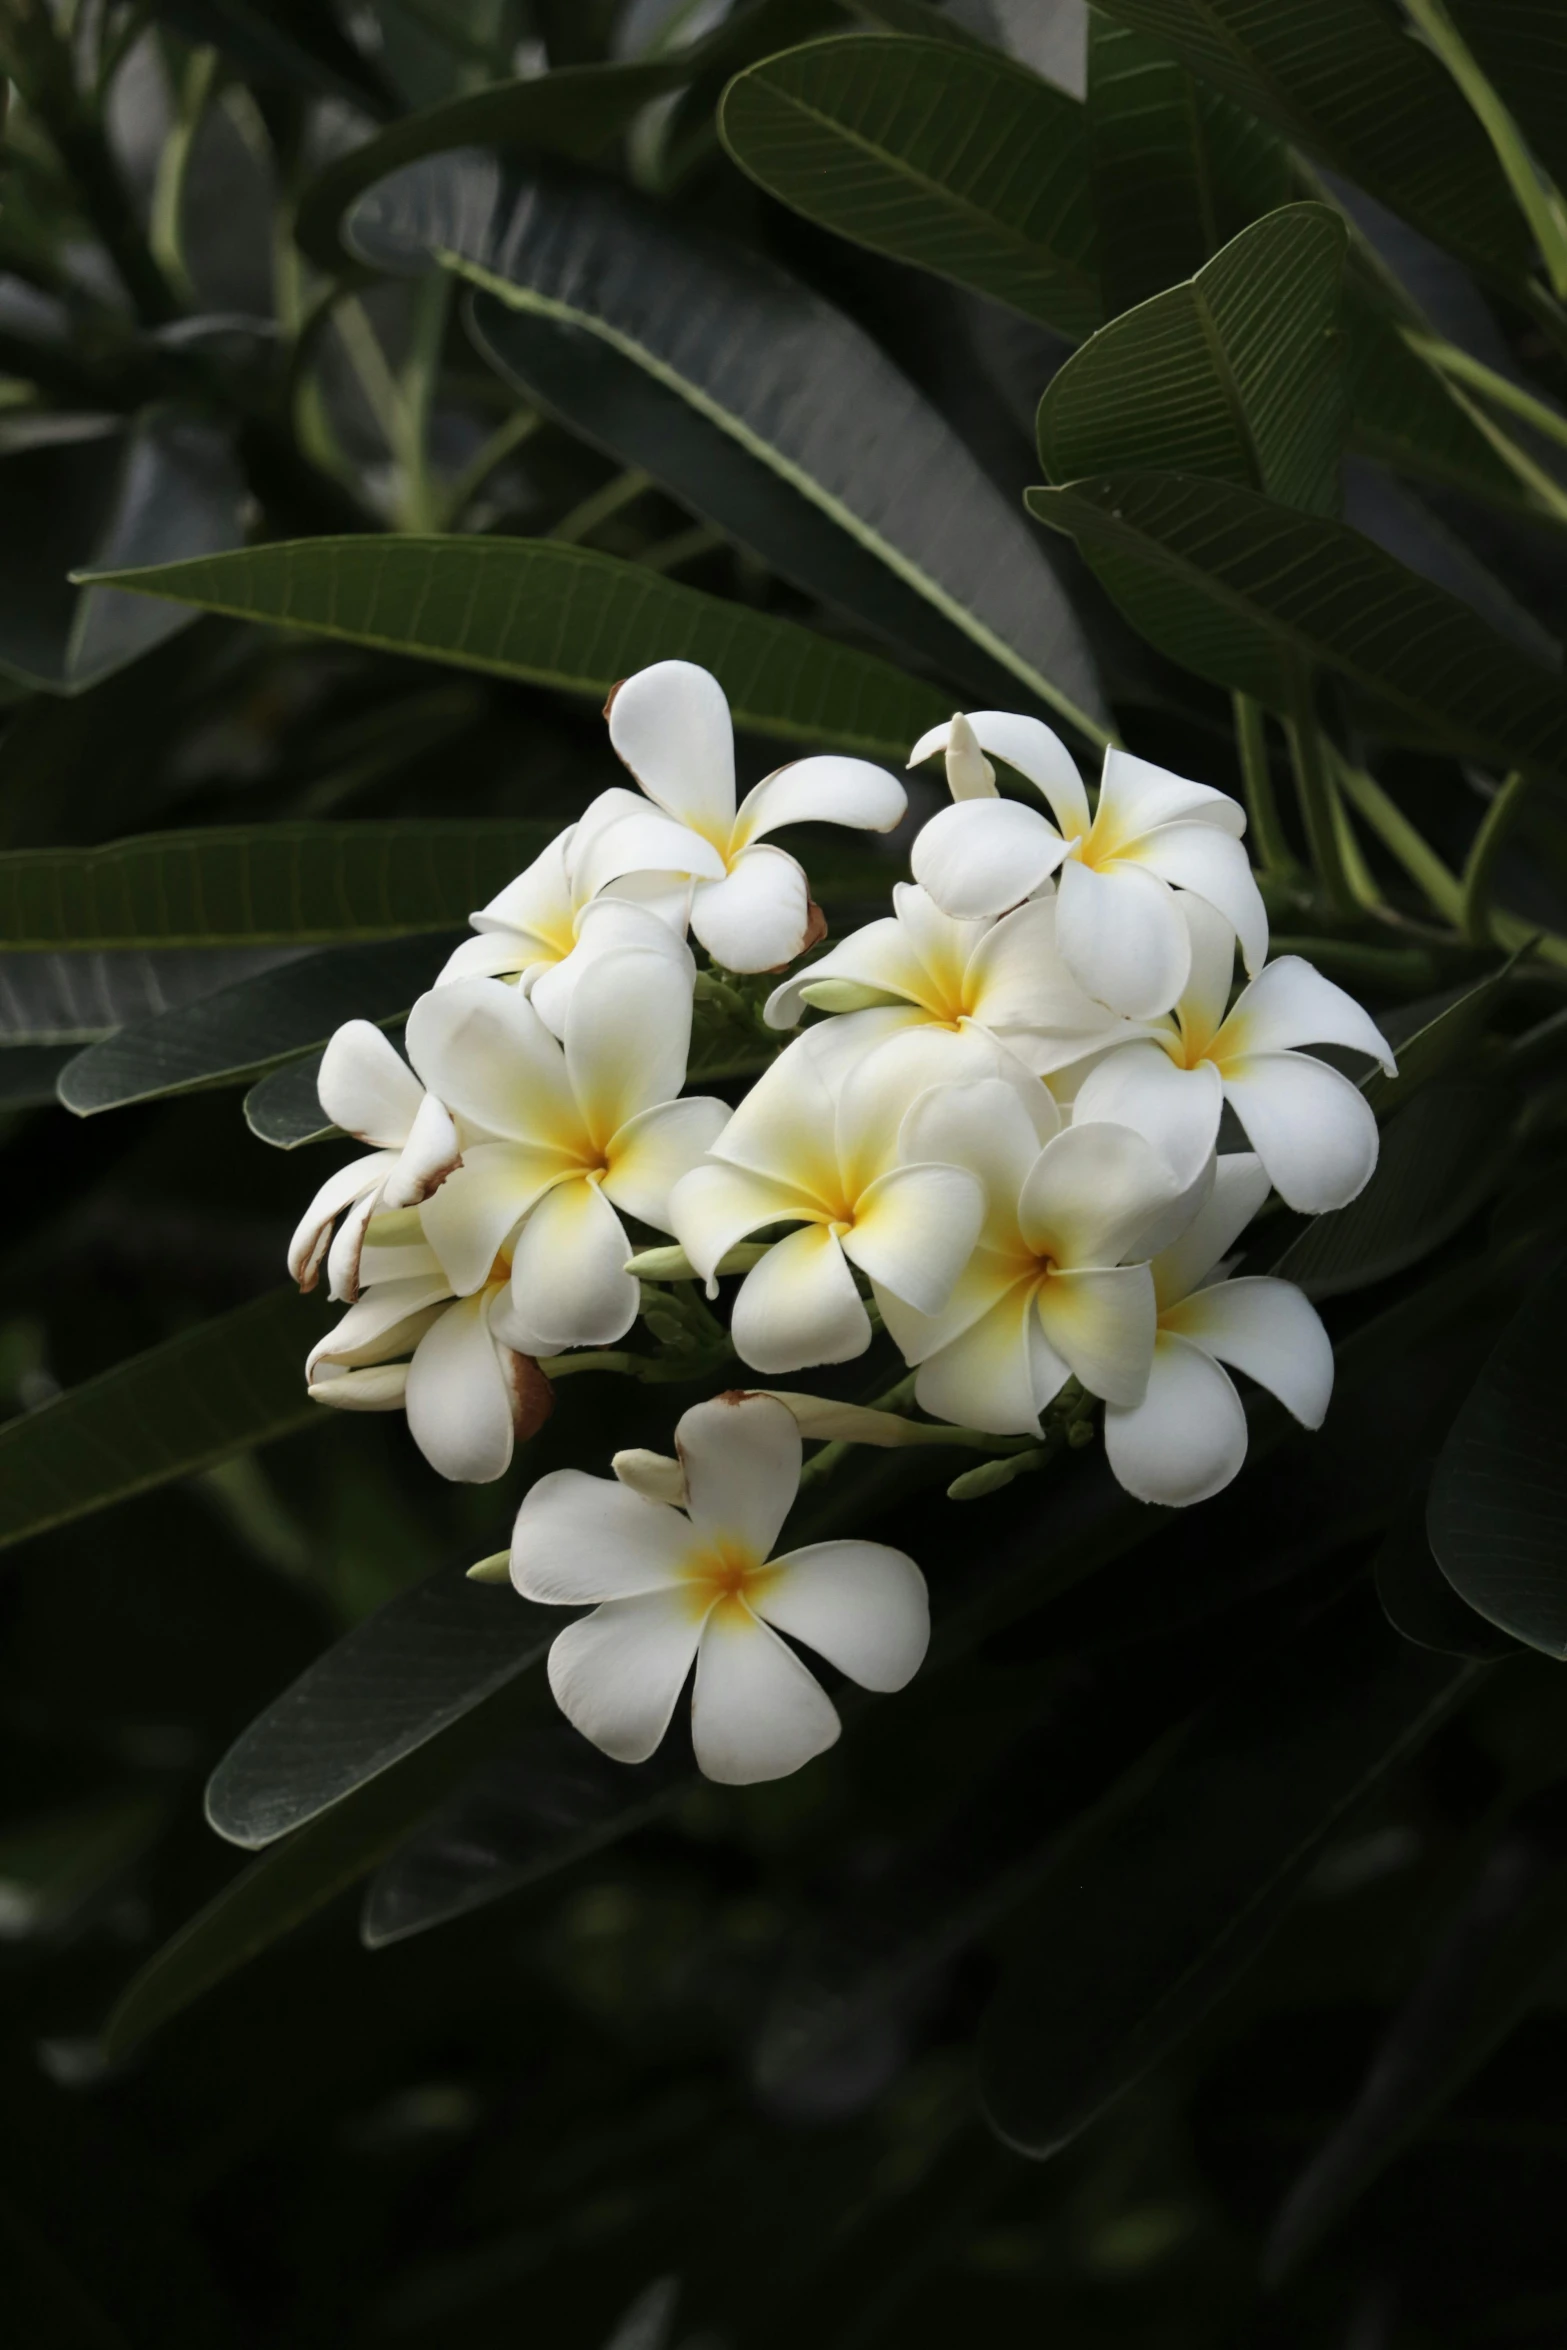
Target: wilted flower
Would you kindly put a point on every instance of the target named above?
(365, 1088)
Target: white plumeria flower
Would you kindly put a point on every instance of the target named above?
(367, 1089)
(751, 905)
(409, 1345)
(571, 1134)
(1313, 1131)
(1186, 1439)
(1004, 977)
(672, 1587)
(816, 1144)
(1118, 929)
(1048, 1293)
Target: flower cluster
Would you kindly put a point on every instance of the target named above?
(999, 1140)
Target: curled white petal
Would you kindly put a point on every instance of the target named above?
(1269, 1330)
(1121, 936)
(617, 1674)
(1290, 1003)
(1186, 1439)
(828, 790)
(756, 1712)
(366, 1087)
(862, 1606)
(670, 723)
(759, 916)
(980, 856)
(579, 1540)
(800, 1306)
(1314, 1132)
(741, 1456)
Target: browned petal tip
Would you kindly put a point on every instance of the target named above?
(532, 1396)
(815, 932)
(613, 691)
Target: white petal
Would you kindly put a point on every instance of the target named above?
(1121, 936)
(459, 1400)
(652, 1152)
(1090, 1193)
(759, 916)
(479, 1206)
(881, 956)
(1290, 1003)
(387, 1320)
(1135, 795)
(1271, 1332)
(347, 1249)
(482, 1049)
(1102, 1321)
(366, 1087)
(642, 841)
(914, 1231)
(494, 954)
(714, 1206)
(742, 1462)
(1313, 1131)
(540, 902)
(671, 726)
(984, 1378)
(822, 791)
(1240, 1185)
(617, 1674)
(860, 1605)
(1028, 745)
(756, 1713)
(1016, 980)
(426, 1159)
(313, 1233)
(379, 1387)
(1205, 997)
(885, 1086)
(994, 1129)
(990, 1275)
(1187, 1437)
(609, 923)
(1175, 1110)
(800, 1306)
(1215, 867)
(580, 1539)
(785, 1128)
(627, 1037)
(980, 856)
(569, 1284)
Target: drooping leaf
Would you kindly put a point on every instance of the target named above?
(1440, 1157)
(1420, 1603)
(1431, 1036)
(1236, 375)
(559, 616)
(1521, 46)
(299, 1876)
(1343, 81)
(1126, 1951)
(249, 1027)
(53, 999)
(1496, 1958)
(284, 1107)
(1497, 1516)
(950, 157)
(215, 1389)
(261, 884)
(104, 499)
(794, 383)
(1177, 170)
(430, 1655)
(1239, 588)
(1405, 413)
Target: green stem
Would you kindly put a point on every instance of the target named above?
(1357, 872)
(621, 490)
(519, 427)
(422, 504)
(380, 386)
(828, 1459)
(1536, 198)
(1449, 360)
(1474, 913)
(683, 546)
(1440, 888)
(164, 233)
(1264, 817)
(1308, 756)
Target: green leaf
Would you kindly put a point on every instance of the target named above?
(213, 1390)
(1236, 376)
(253, 1025)
(1239, 588)
(574, 112)
(1430, 1036)
(1128, 1949)
(1496, 1958)
(794, 385)
(1521, 46)
(284, 1107)
(1177, 170)
(403, 1676)
(1343, 81)
(99, 498)
(948, 157)
(1420, 1603)
(290, 41)
(261, 884)
(1497, 1516)
(1406, 414)
(299, 1876)
(52, 999)
(558, 616)
(1440, 1157)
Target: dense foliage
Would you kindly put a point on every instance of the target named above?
(1177, 1958)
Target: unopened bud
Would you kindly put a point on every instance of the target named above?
(653, 1475)
(846, 995)
(970, 776)
(495, 1569)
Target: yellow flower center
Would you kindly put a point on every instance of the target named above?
(724, 1574)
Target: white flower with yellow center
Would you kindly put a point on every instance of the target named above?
(368, 1090)
(1048, 1293)
(571, 1133)
(816, 1144)
(698, 1584)
(1313, 1131)
(1004, 977)
(1118, 929)
(409, 1345)
(750, 902)
(1186, 1439)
